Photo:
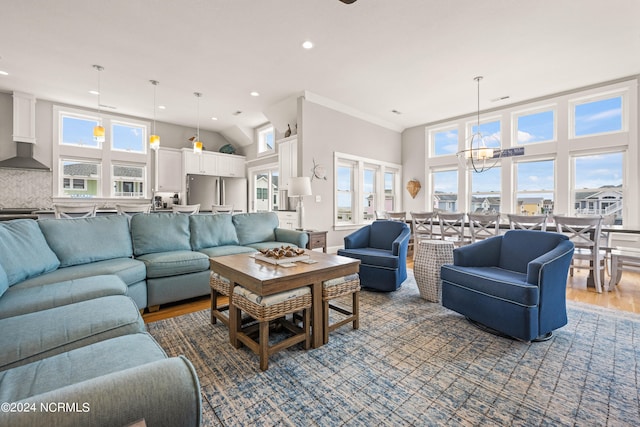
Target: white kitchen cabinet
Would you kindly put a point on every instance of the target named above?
(287, 161)
(288, 219)
(230, 165)
(170, 176)
(204, 163)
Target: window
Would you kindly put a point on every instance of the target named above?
(345, 192)
(596, 117)
(444, 142)
(485, 195)
(128, 181)
(78, 131)
(80, 179)
(362, 187)
(598, 185)
(535, 184)
(266, 140)
(490, 134)
(535, 127)
(445, 190)
(85, 168)
(128, 137)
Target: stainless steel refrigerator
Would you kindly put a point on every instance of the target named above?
(215, 190)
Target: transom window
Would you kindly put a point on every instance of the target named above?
(535, 127)
(597, 117)
(266, 140)
(128, 137)
(444, 142)
(78, 131)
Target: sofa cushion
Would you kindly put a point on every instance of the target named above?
(128, 269)
(211, 230)
(160, 232)
(35, 336)
(226, 250)
(4, 281)
(255, 227)
(21, 300)
(174, 263)
(81, 364)
(369, 256)
(83, 240)
(24, 252)
(505, 285)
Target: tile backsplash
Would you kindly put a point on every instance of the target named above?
(21, 188)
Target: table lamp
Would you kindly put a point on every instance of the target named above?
(300, 186)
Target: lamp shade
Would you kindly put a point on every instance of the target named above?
(98, 133)
(300, 186)
(154, 142)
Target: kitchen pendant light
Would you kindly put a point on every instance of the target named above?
(197, 144)
(154, 139)
(479, 157)
(98, 130)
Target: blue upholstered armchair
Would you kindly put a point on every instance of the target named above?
(514, 283)
(382, 250)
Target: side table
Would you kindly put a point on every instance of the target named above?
(317, 239)
(426, 267)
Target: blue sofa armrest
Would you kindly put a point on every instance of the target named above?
(358, 239)
(164, 393)
(483, 253)
(401, 243)
(295, 237)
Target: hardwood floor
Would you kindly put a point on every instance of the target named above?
(625, 297)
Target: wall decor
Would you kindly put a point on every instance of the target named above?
(318, 171)
(413, 187)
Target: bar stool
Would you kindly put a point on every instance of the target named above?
(335, 288)
(266, 309)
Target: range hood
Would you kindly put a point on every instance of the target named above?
(24, 130)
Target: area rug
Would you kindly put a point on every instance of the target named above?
(414, 362)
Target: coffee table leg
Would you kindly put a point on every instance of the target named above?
(316, 294)
(234, 319)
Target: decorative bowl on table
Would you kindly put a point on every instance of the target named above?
(281, 255)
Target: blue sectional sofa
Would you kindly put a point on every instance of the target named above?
(71, 293)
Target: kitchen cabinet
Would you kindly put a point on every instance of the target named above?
(204, 163)
(230, 165)
(170, 176)
(288, 219)
(287, 161)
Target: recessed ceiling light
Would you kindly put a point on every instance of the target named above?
(161, 107)
(94, 92)
(214, 118)
(3, 73)
(307, 44)
(254, 93)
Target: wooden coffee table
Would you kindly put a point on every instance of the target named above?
(265, 279)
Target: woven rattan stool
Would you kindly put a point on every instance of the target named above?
(219, 286)
(335, 288)
(266, 309)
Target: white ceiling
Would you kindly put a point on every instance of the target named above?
(415, 56)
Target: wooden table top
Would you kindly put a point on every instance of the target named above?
(264, 278)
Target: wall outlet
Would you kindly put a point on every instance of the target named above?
(318, 198)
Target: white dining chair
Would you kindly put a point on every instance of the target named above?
(527, 222)
(74, 211)
(222, 209)
(186, 209)
(129, 209)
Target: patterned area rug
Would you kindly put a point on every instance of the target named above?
(416, 363)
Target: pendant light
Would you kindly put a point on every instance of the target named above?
(98, 130)
(197, 144)
(154, 139)
(478, 157)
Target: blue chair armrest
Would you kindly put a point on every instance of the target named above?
(542, 269)
(483, 253)
(402, 241)
(358, 239)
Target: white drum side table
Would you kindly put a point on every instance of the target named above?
(426, 267)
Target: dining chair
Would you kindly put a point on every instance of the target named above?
(528, 222)
(381, 215)
(74, 211)
(452, 227)
(484, 225)
(422, 223)
(222, 209)
(585, 233)
(129, 209)
(397, 216)
(186, 209)
(625, 255)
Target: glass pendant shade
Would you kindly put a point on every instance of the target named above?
(197, 147)
(98, 133)
(154, 142)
